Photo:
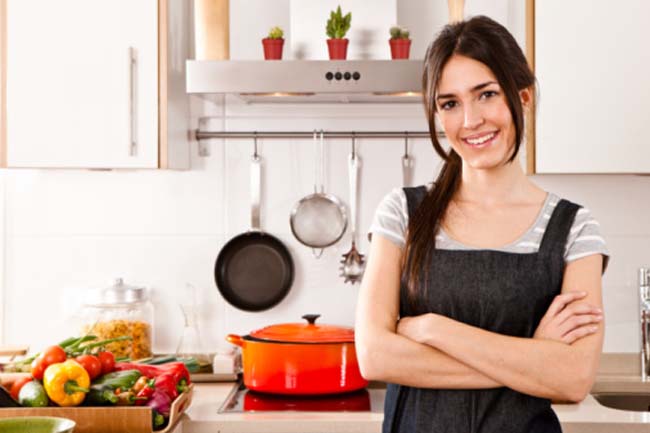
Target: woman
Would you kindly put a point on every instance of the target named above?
(481, 299)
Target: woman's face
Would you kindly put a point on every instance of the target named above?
(473, 111)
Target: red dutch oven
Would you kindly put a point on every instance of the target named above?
(300, 359)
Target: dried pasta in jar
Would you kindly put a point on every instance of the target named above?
(140, 332)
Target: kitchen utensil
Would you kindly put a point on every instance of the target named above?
(300, 359)
(254, 270)
(36, 424)
(319, 219)
(407, 163)
(353, 263)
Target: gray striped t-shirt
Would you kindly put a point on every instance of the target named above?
(585, 238)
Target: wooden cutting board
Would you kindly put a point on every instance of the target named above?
(13, 350)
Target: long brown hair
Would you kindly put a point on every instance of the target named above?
(488, 42)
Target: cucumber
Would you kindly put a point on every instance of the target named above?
(32, 394)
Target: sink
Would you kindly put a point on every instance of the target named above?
(638, 402)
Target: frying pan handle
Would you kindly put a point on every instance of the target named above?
(317, 252)
(256, 176)
(237, 340)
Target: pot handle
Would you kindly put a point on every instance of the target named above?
(235, 339)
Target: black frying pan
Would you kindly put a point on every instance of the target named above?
(254, 270)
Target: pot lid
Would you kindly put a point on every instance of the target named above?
(309, 332)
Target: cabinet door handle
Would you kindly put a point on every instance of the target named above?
(133, 115)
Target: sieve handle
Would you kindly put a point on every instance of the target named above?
(321, 163)
(315, 162)
(256, 170)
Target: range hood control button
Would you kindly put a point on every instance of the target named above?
(347, 75)
(356, 76)
(338, 76)
(329, 76)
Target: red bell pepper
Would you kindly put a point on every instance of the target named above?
(176, 369)
(167, 384)
(144, 369)
(180, 373)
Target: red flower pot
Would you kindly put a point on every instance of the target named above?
(337, 48)
(272, 48)
(400, 48)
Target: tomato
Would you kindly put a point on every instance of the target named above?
(53, 355)
(91, 364)
(107, 360)
(18, 384)
(38, 368)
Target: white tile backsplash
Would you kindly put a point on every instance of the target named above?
(48, 275)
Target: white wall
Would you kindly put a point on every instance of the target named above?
(68, 230)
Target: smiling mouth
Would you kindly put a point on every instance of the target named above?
(482, 140)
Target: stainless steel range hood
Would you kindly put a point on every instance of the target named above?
(351, 81)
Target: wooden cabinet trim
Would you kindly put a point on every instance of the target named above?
(163, 153)
(530, 118)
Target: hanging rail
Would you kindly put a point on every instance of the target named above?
(201, 135)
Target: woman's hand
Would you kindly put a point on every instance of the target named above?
(416, 328)
(568, 320)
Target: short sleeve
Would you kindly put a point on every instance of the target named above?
(585, 239)
(391, 219)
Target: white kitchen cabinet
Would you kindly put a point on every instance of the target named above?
(592, 61)
(87, 87)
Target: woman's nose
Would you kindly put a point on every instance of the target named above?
(473, 117)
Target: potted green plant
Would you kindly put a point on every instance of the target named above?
(400, 43)
(273, 44)
(337, 26)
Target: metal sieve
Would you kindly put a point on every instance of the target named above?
(319, 219)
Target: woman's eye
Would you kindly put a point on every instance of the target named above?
(488, 94)
(448, 105)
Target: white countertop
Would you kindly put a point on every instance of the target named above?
(587, 416)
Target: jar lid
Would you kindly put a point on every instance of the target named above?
(118, 293)
(308, 332)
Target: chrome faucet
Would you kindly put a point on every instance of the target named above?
(644, 316)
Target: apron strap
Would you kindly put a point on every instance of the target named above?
(414, 196)
(557, 230)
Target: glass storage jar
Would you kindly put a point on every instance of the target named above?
(120, 310)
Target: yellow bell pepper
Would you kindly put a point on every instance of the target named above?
(66, 383)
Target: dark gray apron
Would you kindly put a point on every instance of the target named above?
(498, 291)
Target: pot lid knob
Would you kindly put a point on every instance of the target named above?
(311, 318)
